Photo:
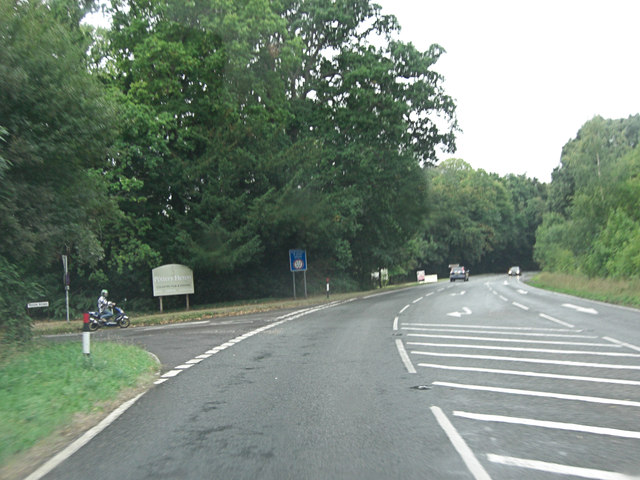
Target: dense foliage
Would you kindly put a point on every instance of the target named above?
(219, 134)
(593, 223)
(480, 220)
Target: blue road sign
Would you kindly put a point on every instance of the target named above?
(298, 260)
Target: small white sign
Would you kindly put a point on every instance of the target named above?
(37, 304)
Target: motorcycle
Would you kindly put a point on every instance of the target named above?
(119, 319)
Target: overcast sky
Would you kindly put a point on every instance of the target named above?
(528, 74)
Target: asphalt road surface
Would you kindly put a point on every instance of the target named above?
(485, 379)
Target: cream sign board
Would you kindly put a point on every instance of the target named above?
(172, 279)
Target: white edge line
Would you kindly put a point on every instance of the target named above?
(109, 419)
(82, 441)
(470, 460)
(405, 357)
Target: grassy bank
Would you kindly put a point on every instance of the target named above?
(46, 388)
(619, 292)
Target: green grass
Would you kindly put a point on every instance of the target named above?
(43, 386)
(619, 292)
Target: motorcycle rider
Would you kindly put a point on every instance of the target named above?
(104, 306)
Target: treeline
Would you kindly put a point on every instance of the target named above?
(219, 134)
(213, 133)
(593, 223)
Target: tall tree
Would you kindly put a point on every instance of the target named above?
(57, 122)
(589, 198)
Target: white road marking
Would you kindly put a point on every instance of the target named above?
(531, 360)
(404, 308)
(465, 311)
(515, 340)
(519, 305)
(591, 311)
(522, 292)
(623, 344)
(522, 334)
(522, 349)
(171, 373)
(618, 381)
(417, 300)
(503, 298)
(533, 393)
(491, 327)
(405, 358)
(395, 324)
(560, 322)
(470, 460)
(557, 468)
(573, 427)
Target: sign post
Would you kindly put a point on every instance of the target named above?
(65, 265)
(298, 263)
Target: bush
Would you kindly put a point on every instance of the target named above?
(15, 324)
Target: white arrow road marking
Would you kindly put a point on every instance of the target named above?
(465, 311)
(592, 311)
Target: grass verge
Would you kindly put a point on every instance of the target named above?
(619, 292)
(44, 388)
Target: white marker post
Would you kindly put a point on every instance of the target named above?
(86, 336)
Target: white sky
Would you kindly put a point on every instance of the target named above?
(528, 74)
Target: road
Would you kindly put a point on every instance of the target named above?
(485, 379)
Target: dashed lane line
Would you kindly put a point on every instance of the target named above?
(280, 320)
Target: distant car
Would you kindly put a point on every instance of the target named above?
(514, 271)
(458, 273)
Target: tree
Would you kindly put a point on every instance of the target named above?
(594, 191)
(472, 217)
(57, 123)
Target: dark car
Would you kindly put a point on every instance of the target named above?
(458, 273)
(514, 271)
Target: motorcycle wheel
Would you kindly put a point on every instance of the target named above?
(124, 322)
(93, 326)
